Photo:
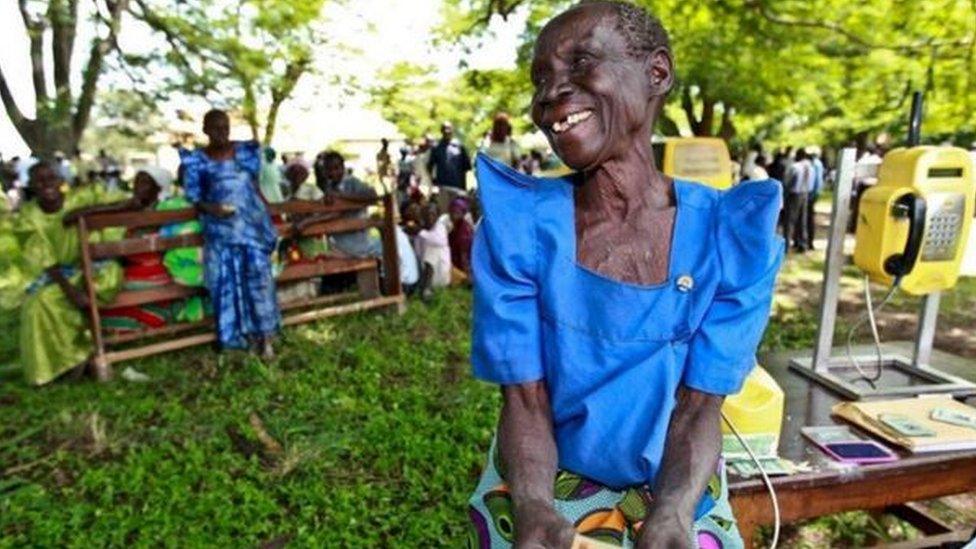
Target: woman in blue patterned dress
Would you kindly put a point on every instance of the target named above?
(221, 180)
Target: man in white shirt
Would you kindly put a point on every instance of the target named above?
(799, 182)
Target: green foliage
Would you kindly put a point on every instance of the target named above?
(249, 54)
(124, 122)
(383, 430)
(417, 101)
(383, 434)
(794, 70)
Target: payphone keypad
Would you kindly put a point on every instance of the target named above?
(943, 226)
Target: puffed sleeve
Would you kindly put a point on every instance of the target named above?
(248, 156)
(191, 170)
(505, 346)
(722, 350)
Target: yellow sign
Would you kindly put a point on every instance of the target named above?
(701, 159)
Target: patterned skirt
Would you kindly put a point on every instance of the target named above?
(242, 289)
(610, 516)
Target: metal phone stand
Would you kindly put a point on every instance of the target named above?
(901, 376)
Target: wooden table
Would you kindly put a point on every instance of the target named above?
(830, 489)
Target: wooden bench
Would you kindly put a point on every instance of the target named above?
(110, 348)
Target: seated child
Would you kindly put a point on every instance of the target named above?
(433, 251)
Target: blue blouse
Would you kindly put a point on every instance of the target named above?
(613, 354)
(232, 182)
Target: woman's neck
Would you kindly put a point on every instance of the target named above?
(621, 187)
(220, 152)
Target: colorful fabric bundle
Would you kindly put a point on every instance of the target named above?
(184, 265)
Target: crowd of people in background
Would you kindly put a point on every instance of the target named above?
(803, 174)
(232, 184)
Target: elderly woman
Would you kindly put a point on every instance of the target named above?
(616, 307)
(221, 179)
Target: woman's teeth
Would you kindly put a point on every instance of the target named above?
(570, 121)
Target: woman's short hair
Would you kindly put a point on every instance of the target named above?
(643, 32)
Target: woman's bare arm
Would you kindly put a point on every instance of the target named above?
(128, 204)
(74, 295)
(528, 450)
(690, 456)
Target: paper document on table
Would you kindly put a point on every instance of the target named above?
(920, 410)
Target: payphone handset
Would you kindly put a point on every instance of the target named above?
(913, 225)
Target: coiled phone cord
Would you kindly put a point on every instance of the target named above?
(765, 477)
(870, 317)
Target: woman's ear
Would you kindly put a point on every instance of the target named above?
(660, 71)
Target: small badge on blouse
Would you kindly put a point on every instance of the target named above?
(685, 283)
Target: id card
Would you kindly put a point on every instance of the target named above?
(904, 425)
(954, 417)
(747, 468)
(826, 434)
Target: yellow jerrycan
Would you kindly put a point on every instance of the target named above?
(757, 413)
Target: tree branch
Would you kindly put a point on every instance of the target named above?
(64, 19)
(10, 104)
(688, 105)
(293, 73)
(178, 44)
(35, 32)
(93, 70)
(919, 47)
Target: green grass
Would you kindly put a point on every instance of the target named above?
(374, 435)
(383, 434)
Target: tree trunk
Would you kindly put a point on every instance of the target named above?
(703, 126)
(59, 124)
(727, 130)
(668, 126)
(688, 105)
(706, 127)
(269, 126)
(281, 93)
(249, 109)
(63, 15)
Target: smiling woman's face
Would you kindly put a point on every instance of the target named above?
(593, 98)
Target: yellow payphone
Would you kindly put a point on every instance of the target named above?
(913, 225)
(703, 159)
(912, 228)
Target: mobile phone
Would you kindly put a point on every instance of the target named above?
(954, 417)
(904, 425)
(858, 451)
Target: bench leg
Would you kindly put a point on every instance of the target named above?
(102, 367)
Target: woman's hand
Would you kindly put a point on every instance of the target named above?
(217, 210)
(664, 530)
(74, 295)
(538, 526)
(70, 218)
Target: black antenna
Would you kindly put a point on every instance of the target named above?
(915, 124)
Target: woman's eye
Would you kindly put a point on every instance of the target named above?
(581, 61)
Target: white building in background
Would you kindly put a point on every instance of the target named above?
(354, 131)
